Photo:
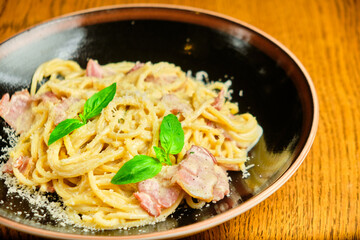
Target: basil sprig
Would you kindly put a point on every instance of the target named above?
(139, 168)
(64, 128)
(162, 156)
(171, 136)
(93, 107)
(143, 167)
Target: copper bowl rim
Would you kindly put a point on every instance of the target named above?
(218, 219)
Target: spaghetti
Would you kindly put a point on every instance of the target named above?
(79, 167)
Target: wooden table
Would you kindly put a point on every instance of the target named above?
(322, 199)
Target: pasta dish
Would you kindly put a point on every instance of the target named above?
(80, 166)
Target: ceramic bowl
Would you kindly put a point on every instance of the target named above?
(267, 79)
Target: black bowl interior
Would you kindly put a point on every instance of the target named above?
(268, 92)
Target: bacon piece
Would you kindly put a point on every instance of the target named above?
(157, 193)
(61, 108)
(200, 177)
(231, 167)
(49, 97)
(93, 69)
(137, 66)
(228, 202)
(163, 79)
(8, 167)
(17, 110)
(219, 100)
(198, 174)
(25, 164)
(175, 105)
(148, 204)
(50, 187)
(221, 188)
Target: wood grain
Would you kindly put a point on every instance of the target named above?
(321, 201)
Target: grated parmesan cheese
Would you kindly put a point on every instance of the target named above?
(37, 200)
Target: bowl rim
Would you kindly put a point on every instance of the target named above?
(223, 217)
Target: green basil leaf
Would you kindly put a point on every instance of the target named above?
(162, 156)
(64, 128)
(140, 168)
(83, 119)
(95, 104)
(171, 134)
